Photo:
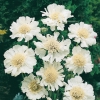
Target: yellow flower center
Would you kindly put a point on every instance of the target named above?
(83, 33)
(34, 87)
(79, 60)
(54, 15)
(51, 74)
(52, 45)
(18, 60)
(77, 93)
(24, 29)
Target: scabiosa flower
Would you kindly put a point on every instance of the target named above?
(82, 33)
(31, 86)
(77, 90)
(48, 98)
(56, 15)
(51, 75)
(79, 61)
(19, 59)
(50, 49)
(24, 27)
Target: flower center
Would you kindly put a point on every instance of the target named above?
(77, 93)
(18, 60)
(51, 74)
(24, 29)
(52, 45)
(34, 87)
(79, 60)
(83, 33)
(55, 15)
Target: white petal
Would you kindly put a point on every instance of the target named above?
(40, 52)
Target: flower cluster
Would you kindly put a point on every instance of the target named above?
(48, 59)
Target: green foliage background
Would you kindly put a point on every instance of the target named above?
(83, 10)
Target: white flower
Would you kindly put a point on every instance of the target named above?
(48, 98)
(24, 27)
(31, 86)
(19, 59)
(56, 15)
(51, 49)
(79, 61)
(77, 90)
(51, 75)
(82, 33)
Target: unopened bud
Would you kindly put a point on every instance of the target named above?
(44, 29)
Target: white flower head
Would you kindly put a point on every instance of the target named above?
(50, 49)
(77, 90)
(31, 86)
(79, 61)
(82, 33)
(52, 76)
(24, 27)
(56, 15)
(48, 98)
(19, 59)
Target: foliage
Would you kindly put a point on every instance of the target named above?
(95, 14)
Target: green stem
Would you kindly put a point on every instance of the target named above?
(55, 29)
(28, 44)
(57, 94)
(72, 21)
(25, 97)
(50, 94)
(22, 75)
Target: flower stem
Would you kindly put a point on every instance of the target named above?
(28, 44)
(50, 94)
(57, 95)
(22, 75)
